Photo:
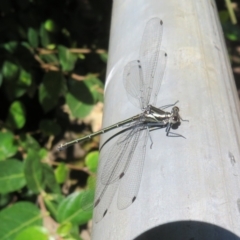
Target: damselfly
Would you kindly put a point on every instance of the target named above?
(121, 165)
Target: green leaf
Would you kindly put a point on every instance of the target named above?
(28, 142)
(87, 200)
(33, 233)
(52, 202)
(79, 99)
(27, 46)
(92, 161)
(11, 176)
(64, 229)
(7, 146)
(231, 31)
(25, 79)
(17, 218)
(16, 115)
(104, 57)
(91, 182)
(10, 70)
(50, 25)
(68, 231)
(33, 37)
(5, 199)
(10, 46)
(51, 88)
(50, 58)
(95, 86)
(44, 36)
(81, 56)
(33, 170)
(50, 182)
(17, 82)
(61, 173)
(69, 210)
(67, 59)
(49, 127)
(43, 153)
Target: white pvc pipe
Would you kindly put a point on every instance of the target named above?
(196, 178)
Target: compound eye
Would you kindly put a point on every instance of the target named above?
(175, 118)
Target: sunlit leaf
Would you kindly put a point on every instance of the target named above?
(11, 176)
(81, 56)
(91, 182)
(17, 218)
(52, 202)
(16, 115)
(42, 153)
(25, 78)
(70, 211)
(67, 59)
(50, 25)
(92, 161)
(61, 173)
(33, 233)
(79, 99)
(33, 170)
(95, 86)
(7, 147)
(64, 229)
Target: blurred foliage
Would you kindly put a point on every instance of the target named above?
(52, 66)
(53, 58)
(232, 34)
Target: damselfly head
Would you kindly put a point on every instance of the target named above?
(175, 117)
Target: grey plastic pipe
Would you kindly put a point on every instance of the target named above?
(190, 188)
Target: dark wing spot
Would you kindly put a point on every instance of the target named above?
(165, 54)
(121, 175)
(161, 22)
(138, 61)
(139, 66)
(105, 212)
(97, 202)
(134, 198)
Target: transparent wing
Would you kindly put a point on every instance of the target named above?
(139, 75)
(112, 169)
(133, 83)
(158, 77)
(129, 184)
(103, 198)
(149, 55)
(119, 155)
